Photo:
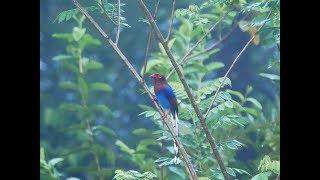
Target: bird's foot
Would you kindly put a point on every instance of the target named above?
(164, 116)
(154, 98)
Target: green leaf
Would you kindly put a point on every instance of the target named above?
(270, 76)
(231, 172)
(64, 36)
(55, 161)
(71, 107)
(61, 57)
(78, 33)
(251, 111)
(92, 65)
(236, 93)
(100, 87)
(110, 156)
(66, 15)
(68, 85)
(261, 176)
(133, 175)
(143, 144)
(148, 113)
(218, 81)
(161, 159)
(266, 164)
(241, 171)
(151, 65)
(88, 40)
(204, 178)
(233, 144)
(123, 147)
(101, 108)
(221, 107)
(214, 66)
(177, 171)
(228, 104)
(185, 128)
(105, 130)
(162, 138)
(141, 132)
(255, 102)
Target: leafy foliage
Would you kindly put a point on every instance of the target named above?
(240, 120)
(133, 175)
(79, 65)
(48, 169)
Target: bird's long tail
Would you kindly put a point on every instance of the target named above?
(176, 132)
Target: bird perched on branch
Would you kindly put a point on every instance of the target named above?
(168, 101)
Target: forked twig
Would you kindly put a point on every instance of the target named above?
(149, 42)
(183, 59)
(171, 19)
(119, 23)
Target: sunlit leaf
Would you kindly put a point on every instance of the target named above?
(98, 86)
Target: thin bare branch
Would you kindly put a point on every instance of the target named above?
(231, 66)
(145, 87)
(171, 19)
(183, 59)
(149, 42)
(187, 89)
(119, 23)
(221, 40)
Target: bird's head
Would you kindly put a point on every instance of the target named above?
(158, 78)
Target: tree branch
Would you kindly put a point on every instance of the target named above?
(183, 59)
(119, 24)
(149, 42)
(171, 19)
(231, 66)
(187, 89)
(145, 87)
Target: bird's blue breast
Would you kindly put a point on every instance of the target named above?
(163, 100)
(163, 95)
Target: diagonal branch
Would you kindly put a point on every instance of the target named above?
(187, 89)
(231, 66)
(171, 20)
(184, 58)
(149, 42)
(119, 24)
(145, 87)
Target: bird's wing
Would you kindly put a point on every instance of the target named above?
(170, 95)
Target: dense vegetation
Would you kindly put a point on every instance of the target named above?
(97, 122)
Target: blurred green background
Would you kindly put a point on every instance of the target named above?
(126, 94)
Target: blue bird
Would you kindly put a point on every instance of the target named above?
(168, 101)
